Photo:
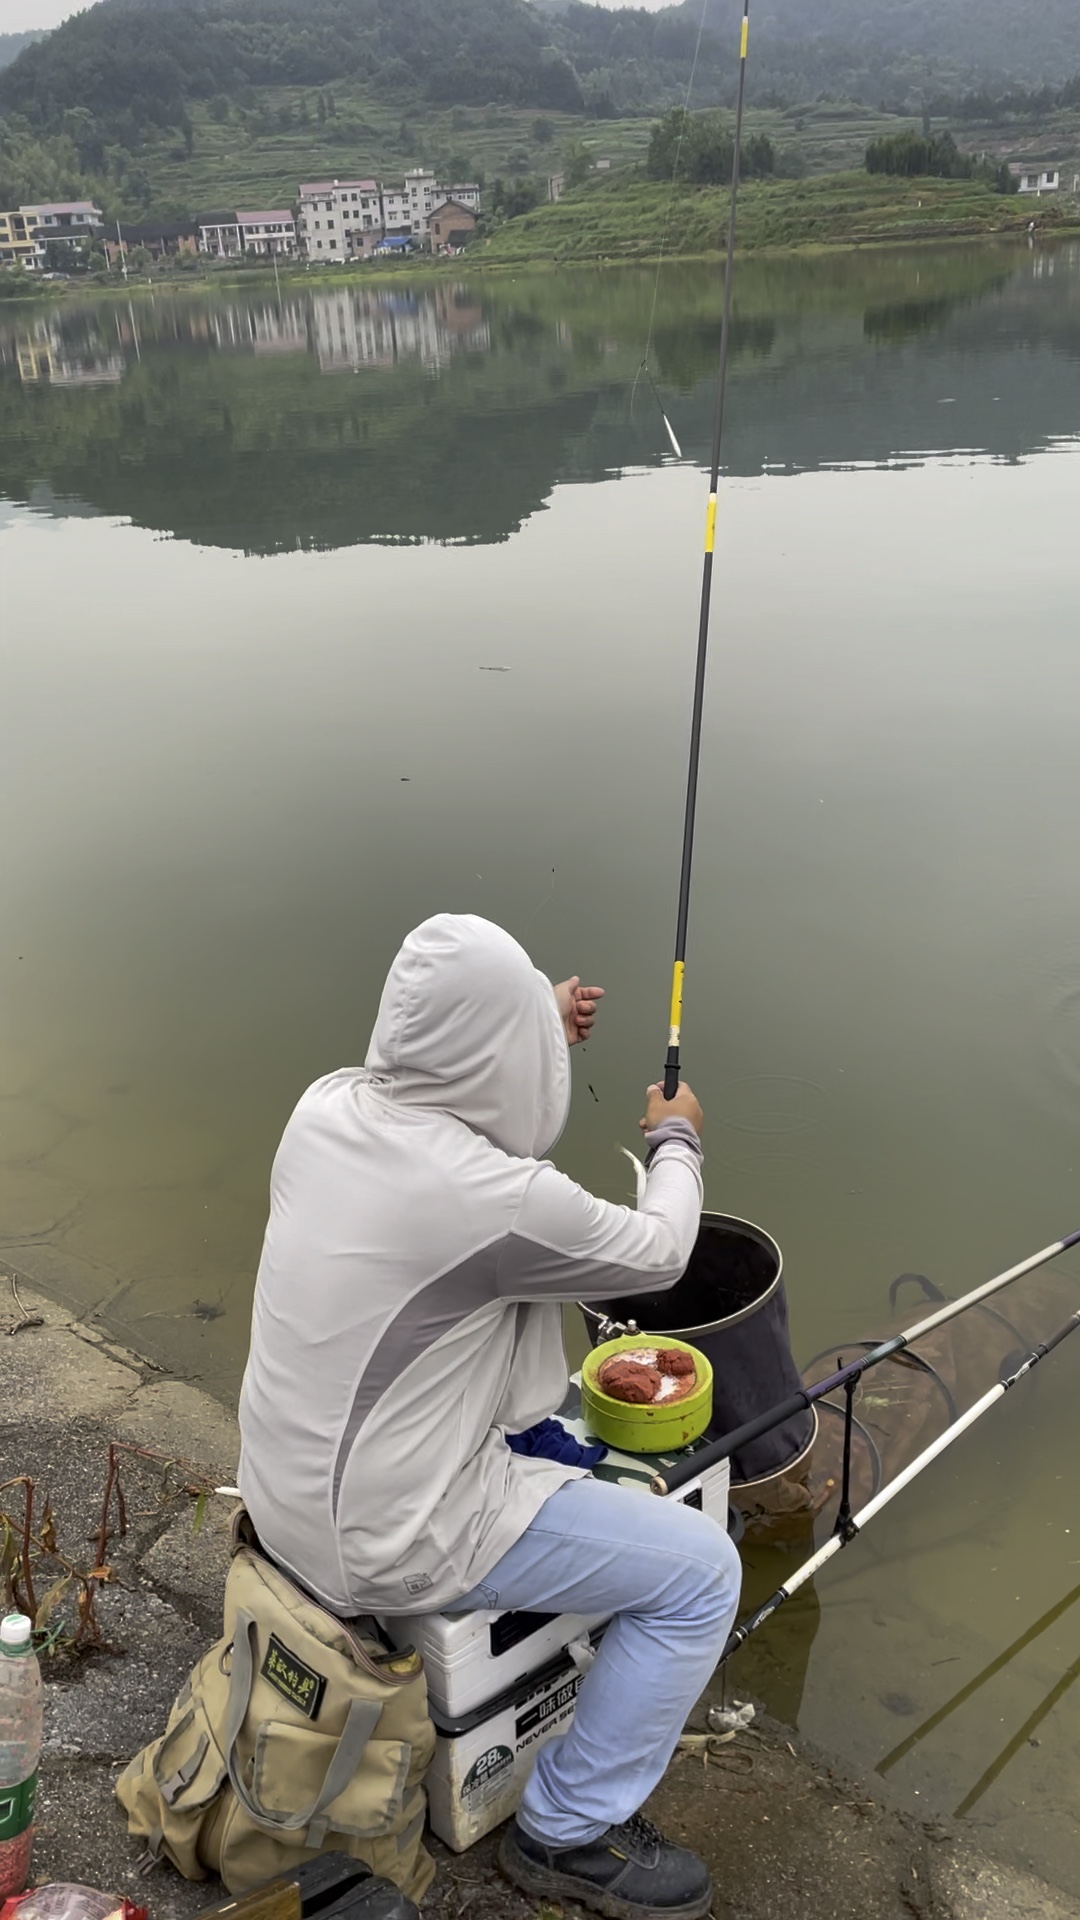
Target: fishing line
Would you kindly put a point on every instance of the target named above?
(860, 1520)
(664, 231)
(671, 1063)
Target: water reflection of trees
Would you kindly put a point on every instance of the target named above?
(336, 415)
(684, 356)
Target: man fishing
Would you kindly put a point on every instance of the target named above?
(408, 1318)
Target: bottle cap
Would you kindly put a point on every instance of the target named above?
(15, 1631)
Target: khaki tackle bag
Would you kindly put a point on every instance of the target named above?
(297, 1733)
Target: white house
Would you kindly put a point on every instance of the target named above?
(335, 217)
(219, 236)
(25, 234)
(267, 233)
(66, 219)
(1038, 179)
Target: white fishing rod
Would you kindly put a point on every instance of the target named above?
(856, 1522)
(692, 1464)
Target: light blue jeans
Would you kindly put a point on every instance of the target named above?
(670, 1577)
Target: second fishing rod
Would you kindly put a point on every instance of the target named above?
(692, 1464)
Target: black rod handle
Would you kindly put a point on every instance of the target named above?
(689, 1465)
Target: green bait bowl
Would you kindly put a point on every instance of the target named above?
(662, 1427)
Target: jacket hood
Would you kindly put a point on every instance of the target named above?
(467, 1024)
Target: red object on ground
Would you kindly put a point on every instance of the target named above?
(628, 1380)
(15, 1864)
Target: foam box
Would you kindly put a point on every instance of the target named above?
(472, 1659)
(482, 1760)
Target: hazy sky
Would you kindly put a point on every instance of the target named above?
(17, 15)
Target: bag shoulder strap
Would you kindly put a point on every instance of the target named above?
(250, 1563)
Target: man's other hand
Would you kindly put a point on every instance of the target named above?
(683, 1107)
(577, 1008)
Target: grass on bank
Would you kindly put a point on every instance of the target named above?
(627, 217)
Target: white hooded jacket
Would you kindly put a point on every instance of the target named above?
(408, 1306)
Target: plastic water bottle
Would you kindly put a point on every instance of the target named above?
(20, 1751)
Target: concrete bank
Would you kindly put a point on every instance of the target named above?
(786, 1832)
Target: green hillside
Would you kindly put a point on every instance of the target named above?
(137, 66)
(258, 157)
(132, 65)
(172, 106)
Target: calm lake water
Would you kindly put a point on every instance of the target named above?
(323, 613)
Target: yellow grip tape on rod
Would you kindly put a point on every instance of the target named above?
(710, 525)
(676, 1002)
(745, 40)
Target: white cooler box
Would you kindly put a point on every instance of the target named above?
(500, 1684)
(483, 1759)
(472, 1659)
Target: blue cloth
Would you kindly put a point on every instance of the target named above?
(549, 1440)
(670, 1578)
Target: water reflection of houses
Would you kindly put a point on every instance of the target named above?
(45, 356)
(270, 326)
(354, 328)
(345, 329)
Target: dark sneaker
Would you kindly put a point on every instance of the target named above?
(630, 1873)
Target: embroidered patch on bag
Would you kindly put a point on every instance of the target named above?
(300, 1685)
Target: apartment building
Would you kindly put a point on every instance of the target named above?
(20, 244)
(339, 219)
(408, 209)
(347, 219)
(26, 231)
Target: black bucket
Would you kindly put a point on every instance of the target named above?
(731, 1303)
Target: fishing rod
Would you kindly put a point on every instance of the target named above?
(857, 1522)
(671, 1064)
(692, 1464)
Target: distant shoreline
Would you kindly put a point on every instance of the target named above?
(631, 222)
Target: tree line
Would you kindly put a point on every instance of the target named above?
(1014, 103)
(918, 155)
(699, 149)
(136, 69)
